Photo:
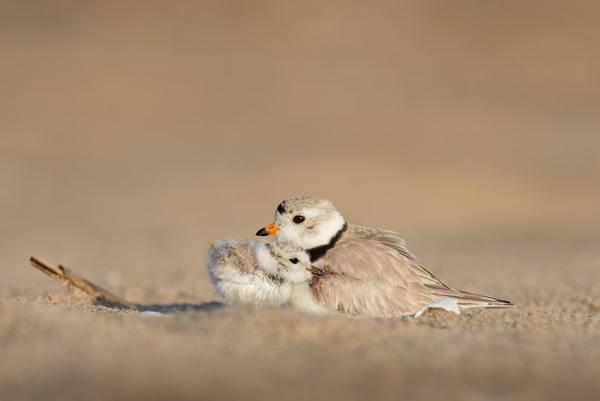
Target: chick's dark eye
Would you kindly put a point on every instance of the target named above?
(294, 260)
(298, 219)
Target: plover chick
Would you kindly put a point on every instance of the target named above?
(296, 270)
(252, 272)
(367, 272)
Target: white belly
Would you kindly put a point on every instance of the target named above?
(301, 298)
(240, 288)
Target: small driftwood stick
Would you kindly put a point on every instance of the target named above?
(69, 278)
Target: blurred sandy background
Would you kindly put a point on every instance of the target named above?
(134, 133)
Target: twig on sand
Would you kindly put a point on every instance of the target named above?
(70, 278)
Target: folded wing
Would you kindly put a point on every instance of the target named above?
(372, 273)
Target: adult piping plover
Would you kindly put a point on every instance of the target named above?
(362, 271)
(252, 272)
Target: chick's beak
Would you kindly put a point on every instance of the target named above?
(271, 229)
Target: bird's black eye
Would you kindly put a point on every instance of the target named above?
(294, 260)
(298, 219)
(281, 208)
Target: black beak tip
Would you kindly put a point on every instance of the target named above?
(262, 232)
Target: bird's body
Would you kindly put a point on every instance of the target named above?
(261, 273)
(370, 272)
(361, 271)
(238, 277)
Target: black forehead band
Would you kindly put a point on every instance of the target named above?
(281, 208)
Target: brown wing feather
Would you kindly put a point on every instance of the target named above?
(358, 280)
(437, 287)
(370, 272)
(394, 241)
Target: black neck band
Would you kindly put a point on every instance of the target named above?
(320, 251)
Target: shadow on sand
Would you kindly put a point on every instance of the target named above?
(180, 307)
(162, 308)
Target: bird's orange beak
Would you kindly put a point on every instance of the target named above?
(271, 229)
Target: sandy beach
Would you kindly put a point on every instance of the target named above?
(132, 136)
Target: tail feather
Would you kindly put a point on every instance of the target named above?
(469, 300)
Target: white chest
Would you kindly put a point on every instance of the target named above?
(301, 298)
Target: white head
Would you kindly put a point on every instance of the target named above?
(284, 260)
(306, 222)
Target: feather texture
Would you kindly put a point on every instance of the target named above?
(370, 272)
